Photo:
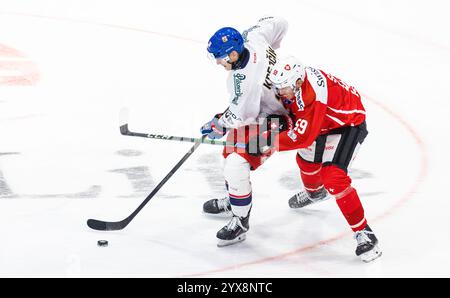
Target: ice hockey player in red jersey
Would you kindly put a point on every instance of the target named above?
(329, 127)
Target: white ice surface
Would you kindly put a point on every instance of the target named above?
(62, 159)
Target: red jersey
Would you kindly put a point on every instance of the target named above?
(323, 103)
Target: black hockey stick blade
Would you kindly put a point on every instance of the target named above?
(96, 224)
(124, 129)
(124, 115)
(126, 132)
(100, 225)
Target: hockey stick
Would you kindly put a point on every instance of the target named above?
(119, 225)
(124, 130)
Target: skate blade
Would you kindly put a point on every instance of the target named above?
(222, 243)
(371, 255)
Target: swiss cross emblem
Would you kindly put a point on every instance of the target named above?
(287, 67)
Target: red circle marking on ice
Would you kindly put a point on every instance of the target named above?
(16, 69)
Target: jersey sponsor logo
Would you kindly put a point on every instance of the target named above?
(299, 100)
(272, 57)
(291, 134)
(230, 117)
(238, 78)
(320, 79)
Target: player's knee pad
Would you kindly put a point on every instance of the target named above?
(237, 175)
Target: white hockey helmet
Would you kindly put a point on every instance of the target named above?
(286, 72)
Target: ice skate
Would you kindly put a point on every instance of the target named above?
(218, 206)
(305, 198)
(234, 231)
(367, 248)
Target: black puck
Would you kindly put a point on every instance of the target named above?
(102, 243)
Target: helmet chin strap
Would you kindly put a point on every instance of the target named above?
(242, 61)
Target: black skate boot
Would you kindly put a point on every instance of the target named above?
(218, 206)
(305, 198)
(234, 231)
(367, 248)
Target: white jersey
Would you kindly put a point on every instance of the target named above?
(251, 94)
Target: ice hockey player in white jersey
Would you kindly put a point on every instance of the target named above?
(249, 58)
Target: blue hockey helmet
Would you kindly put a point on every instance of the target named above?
(224, 41)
